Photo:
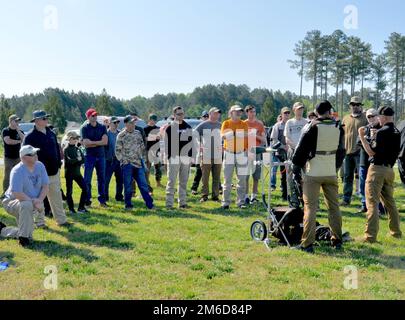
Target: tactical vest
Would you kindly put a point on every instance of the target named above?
(324, 162)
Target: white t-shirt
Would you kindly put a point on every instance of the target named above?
(293, 130)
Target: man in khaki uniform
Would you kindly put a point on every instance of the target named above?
(321, 150)
(29, 185)
(383, 150)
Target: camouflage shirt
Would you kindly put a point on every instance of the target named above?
(130, 148)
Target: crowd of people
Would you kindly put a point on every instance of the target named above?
(319, 146)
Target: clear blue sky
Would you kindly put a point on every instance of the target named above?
(139, 47)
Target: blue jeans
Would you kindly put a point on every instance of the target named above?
(274, 173)
(129, 173)
(351, 164)
(90, 163)
(363, 177)
(114, 167)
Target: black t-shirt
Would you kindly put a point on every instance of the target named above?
(11, 151)
(386, 145)
(154, 130)
(182, 137)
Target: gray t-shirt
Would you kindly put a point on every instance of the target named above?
(210, 137)
(24, 181)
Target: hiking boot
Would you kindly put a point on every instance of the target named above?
(24, 242)
(204, 199)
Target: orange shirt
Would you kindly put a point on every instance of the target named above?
(258, 128)
(237, 141)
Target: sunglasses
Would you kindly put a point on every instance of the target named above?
(31, 155)
(371, 117)
(45, 119)
(356, 104)
(179, 114)
(287, 113)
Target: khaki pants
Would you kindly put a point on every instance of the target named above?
(9, 164)
(232, 162)
(380, 185)
(24, 213)
(181, 169)
(311, 191)
(55, 201)
(206, 169)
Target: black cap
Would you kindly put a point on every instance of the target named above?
(129, 119)
(386, 111)
(324, 107)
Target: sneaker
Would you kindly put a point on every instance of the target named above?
(194, 192)
(309, 249)
(273, 188)
(242, 207)
(253, 200)
(83, 210)
(204, 199)
(225, 207)
(24, 242)
(72, 211)
(215, 199)
(184, 206)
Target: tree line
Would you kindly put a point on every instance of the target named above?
(71, 106)
(337, 61)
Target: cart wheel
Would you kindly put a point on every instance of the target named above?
(258, 231)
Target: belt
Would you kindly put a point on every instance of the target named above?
(326, 153)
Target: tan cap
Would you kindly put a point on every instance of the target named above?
(372, 112)
(28, 150)
(214, 110)
(356, 100)
(236, 108)
(14, 117)
(285, 109)
(298, 105)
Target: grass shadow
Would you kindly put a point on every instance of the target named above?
(91, 238)
(366, 255)
(54, 249)
(94, 218)
(169, 214)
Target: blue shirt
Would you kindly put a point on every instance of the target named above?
(96, 133)
(110, 148)
(22, 180)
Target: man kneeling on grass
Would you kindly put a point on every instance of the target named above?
(29, 186)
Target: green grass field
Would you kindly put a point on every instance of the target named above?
(200, 253)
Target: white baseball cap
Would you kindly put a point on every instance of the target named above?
(28, 150)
